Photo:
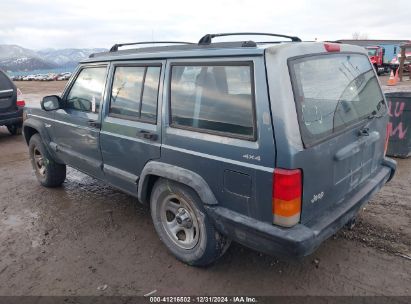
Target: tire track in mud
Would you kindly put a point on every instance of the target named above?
(385, 224)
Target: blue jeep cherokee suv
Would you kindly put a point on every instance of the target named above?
(273, 145)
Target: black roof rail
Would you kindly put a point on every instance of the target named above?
(115, 47)
(206, 39)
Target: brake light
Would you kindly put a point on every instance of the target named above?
(20, 102)
(286, 197)
(387, 138)
(332, 47)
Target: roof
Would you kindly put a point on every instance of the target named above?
(177, 51)
(188, 49)
(206, 48)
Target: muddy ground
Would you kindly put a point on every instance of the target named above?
(76, 239)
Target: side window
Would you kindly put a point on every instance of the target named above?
(134, 93)
(214, 98)
(150, 94)
(86, 92)
(126, 91)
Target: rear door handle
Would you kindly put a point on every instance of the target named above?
(146, 135)
(94, 123)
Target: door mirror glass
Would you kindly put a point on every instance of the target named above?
(51, 103)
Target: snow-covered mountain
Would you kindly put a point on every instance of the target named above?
(16, 58)
(67, 56)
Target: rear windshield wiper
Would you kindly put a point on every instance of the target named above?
(374, 113)
(364, 131)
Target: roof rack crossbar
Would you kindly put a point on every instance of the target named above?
(115, 47)
(206, 39)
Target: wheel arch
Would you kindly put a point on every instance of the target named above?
(28, 132)
(154, 170)
(31, 127)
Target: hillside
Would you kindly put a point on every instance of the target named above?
(16, 58)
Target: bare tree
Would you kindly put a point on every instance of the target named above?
(358, 36)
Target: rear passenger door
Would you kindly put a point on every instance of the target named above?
(130, 133)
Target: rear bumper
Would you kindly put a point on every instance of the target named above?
(300, 240)
(11, 118)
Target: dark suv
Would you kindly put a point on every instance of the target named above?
(274, 145)
(11, 107)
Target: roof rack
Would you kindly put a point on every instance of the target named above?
(206, 39)
(115, 47)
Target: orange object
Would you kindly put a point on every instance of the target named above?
(397, 77)
(286, 208)
(392, 81)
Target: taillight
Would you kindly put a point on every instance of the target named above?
(387, 138)
(286, 197)
(20, 101)
(332, 47)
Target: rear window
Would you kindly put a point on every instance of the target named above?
(333, 92)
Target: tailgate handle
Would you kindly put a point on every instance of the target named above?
(356, 146)
(6, 93)
(364, 132)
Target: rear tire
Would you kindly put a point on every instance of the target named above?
(14, 129)
(48, 172)
(183, 225)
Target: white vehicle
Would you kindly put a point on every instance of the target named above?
(29, 77)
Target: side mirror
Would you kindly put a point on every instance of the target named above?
(51, 103)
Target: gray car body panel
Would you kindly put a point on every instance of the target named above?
(232, 176)
(10, 113)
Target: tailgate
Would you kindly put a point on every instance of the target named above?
(342, 121)
(8, 94)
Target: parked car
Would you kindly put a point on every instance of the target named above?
(11, 105)
(273, 145)
(41, 77)
(16, 78)
(64, 76)
(51, 77)
(29, 77)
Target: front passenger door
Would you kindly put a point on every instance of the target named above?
(77, 129)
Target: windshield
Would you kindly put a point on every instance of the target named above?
(333, 92)
(372, 52)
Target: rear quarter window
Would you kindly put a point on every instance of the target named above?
(333, 92)
(216, 99)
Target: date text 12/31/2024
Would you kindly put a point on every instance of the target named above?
(204, 299)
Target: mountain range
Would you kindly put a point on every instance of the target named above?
(15, 58)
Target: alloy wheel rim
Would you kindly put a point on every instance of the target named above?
(39, 162)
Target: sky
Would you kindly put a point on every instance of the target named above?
(97, 23)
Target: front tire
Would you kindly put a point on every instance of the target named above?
(14, 129)
(183, 225)
(48, 172)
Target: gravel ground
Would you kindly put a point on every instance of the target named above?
(87, 238)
